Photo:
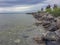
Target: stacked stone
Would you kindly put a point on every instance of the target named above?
(52, 26)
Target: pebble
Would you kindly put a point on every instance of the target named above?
(17, 41)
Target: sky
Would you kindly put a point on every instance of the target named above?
(9, 6)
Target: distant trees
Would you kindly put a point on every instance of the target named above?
(55, 12)
(42, 9)
(55, 6)
(48, 9)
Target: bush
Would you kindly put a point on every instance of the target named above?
(56, 12)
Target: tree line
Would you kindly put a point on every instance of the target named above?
(55, 10)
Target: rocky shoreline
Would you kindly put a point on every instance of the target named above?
(51, 26)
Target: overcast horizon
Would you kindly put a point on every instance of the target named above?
(10, 6)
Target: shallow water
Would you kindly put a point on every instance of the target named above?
(14, 27)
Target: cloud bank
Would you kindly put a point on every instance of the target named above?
(25, 5)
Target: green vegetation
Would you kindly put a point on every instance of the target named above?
(55, 11)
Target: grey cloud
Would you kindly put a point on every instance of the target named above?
(7, 3)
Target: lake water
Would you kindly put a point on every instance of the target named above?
(12, 27)
(14, 20)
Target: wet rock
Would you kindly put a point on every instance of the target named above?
(17, 41)
(51, 36)
(37, 16)
(39, 40)
(37, 24)
(52, 43)
(25, 36)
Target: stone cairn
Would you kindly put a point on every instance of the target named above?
(51, 25)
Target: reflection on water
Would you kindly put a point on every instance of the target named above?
(12, 27)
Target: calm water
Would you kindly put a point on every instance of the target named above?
(14, 20)
(12, 27)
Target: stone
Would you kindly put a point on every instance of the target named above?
(46, 24)
(50, 26)
(52, 43)
(17, 41)
(25, 36)
(37, 24)
(39, 40)
(58, 33)
(58, 22)
(51, 36)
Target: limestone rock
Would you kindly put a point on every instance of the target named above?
(51, 36)
(39, 40)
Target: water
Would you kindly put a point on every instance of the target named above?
(12, 27)
(14, 20)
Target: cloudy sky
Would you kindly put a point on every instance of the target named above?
(24, 5)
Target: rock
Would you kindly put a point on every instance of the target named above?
(39, 40)
(44, 17)
(37, 16)
(58, 22)
(51, 36)
(52, 43)
(17, 41)
(52, 28)
(25, 36)
(45, 24)
(52, 25)
(58, 33)
(48, 17)
(37, 24)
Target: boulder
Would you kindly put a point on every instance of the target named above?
(50, 26)
(58, 22)
(48, 17)
(39, 40)
(51, 36)
(58, 33)
(45, 24)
